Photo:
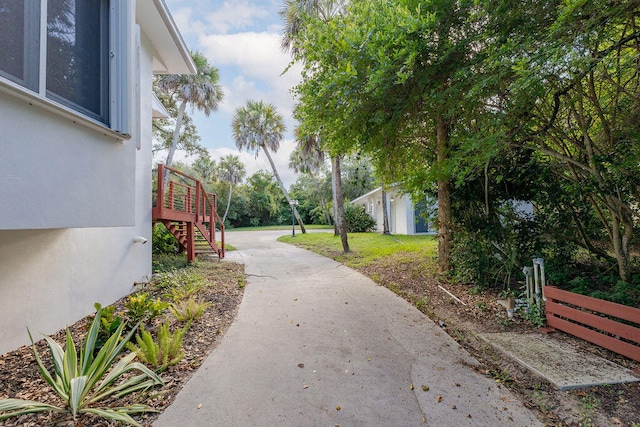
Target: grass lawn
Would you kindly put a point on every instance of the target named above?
(281, 227)
(367, 248)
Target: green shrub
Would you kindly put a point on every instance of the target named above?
(187, 310)
(179, 279)
(161, 353)
(357, 220)
(163, 241)
(81, 380)
(141, 307)
(109, 324)
(168, 262)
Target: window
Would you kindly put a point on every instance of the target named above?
(65, 58)
(19, 36)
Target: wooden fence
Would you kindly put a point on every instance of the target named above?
(584, 317)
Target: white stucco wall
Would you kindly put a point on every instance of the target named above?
(52, 277)
(401, 215)
(60, 174)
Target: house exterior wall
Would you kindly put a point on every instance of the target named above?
(52, 273)
(60, 174)
(402, 217)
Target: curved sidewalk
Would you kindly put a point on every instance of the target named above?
(318, 344)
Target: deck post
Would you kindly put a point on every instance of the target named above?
(191, 245)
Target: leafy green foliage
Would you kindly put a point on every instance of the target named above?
(357, 219)
(497, 101)
(180, 283)
(82, 380)
(141, 307)
(168, 262)
(534, 314)
(109, 324)
(163, 241)
(187, 310)
(162, 352)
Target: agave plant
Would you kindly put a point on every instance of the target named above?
(82, 379)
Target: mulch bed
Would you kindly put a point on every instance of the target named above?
(19, 376)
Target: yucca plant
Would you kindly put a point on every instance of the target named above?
(82, 380)
(188, 310)
(163, 352)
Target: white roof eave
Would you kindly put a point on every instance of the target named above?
(171, 55)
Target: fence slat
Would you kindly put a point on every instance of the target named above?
(579, 322)
(620, 347)
(601, 306)
(607, 325)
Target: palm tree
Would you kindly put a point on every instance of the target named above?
(258, 125)
(201, 90)
(231, 170)
(294, 12)
(293, 15)
(204, 167)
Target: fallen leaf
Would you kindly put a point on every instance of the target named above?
(425, 387)
(300, 365)
(411, 387)
(338, 408)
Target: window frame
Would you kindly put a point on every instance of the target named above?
(115, 108)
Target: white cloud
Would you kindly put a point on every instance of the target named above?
(238, 93)
(234, 15)
(256, 54)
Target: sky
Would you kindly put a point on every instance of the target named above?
(242, 39)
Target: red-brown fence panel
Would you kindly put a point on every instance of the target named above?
(595, 320)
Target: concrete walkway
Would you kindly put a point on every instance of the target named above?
(318, 344)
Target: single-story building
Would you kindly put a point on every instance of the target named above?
(76, 107)
(405, 216)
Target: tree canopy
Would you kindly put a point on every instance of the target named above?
(460, 98)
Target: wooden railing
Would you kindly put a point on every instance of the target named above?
(584, 317)
(185, 200)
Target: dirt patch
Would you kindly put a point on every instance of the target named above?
(19, 376)
(409, 276)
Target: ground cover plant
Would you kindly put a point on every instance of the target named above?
(82, 380)
(407, 266)
(222, 289)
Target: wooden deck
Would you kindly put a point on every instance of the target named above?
(189, 212)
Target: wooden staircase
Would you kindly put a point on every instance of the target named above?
(188, 212)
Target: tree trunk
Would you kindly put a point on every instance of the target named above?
(339, 203)
(174, 141)
(284, 190)
(621, 234)
(336, 232)
(445, 233)
(385, 213)
(226, 211)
